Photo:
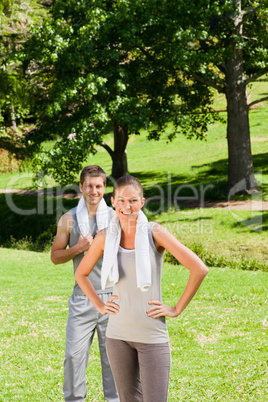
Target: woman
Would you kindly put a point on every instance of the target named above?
(137, 338)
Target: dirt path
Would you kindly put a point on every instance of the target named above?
(242, 205)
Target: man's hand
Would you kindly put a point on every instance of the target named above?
(84, 242)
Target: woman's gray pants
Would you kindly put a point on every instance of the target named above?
(141, 370)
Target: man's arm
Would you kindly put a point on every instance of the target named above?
(59, 252)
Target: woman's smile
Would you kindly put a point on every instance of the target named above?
(127, 202)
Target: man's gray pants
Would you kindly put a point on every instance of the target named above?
(82, 322)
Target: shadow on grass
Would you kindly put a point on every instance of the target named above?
(256, 223)
(260, 162)
(34, 218)
(30, 220)
(210, 182)
(203, 218)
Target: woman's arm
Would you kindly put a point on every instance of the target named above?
(87, 264)
(165, 240)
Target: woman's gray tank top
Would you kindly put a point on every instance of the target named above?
(132, 322)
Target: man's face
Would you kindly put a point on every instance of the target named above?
(92, 189)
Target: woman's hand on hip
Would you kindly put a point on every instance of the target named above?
(110, 307)
(159, 309)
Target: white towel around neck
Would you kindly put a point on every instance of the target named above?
(102, 216)
(109, 272)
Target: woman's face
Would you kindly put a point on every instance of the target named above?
(127, 203)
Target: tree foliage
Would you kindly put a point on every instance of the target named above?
(97, 69)
(100, 65)
(16, 16)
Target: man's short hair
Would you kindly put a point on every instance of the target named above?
(92, 171)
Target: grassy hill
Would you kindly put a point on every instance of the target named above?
(192, 162)
(168, 171)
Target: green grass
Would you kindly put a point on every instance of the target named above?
(232, 238)
(223, 238)
(219, 344)
(220, 341)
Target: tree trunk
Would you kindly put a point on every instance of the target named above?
(13, 117)
(240, 163)
(119, 155)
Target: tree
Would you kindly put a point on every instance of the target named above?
(91, 86)
(15, 105)
(223, 45)
(94, 71)
(99, 65)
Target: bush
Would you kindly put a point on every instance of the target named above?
(8, 162)
(220, 260)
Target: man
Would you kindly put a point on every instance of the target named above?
(91, 215)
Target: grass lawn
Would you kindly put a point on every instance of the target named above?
(223, 238)
(219, 344)
(232, 238)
